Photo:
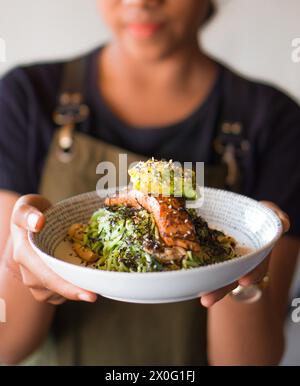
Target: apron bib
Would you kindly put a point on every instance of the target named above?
(110, 332)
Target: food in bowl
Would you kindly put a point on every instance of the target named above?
(138, 230)
(166, 178)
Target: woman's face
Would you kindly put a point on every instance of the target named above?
(153, 29)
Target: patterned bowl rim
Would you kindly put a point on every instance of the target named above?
(248, 256)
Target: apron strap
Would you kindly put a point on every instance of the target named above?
(71, 109)
(231, 143)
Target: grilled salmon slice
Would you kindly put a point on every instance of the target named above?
(172, 219)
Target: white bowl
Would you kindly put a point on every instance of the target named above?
(252, 224)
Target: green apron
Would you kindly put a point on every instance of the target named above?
(110, 332)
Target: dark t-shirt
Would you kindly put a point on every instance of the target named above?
(28, 96)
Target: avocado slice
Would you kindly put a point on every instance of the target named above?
(165, 178)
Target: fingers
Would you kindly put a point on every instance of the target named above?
(37, 276)
(27, 213)
(282, 215)
(35, 200)
(210, 299)
(254, 277)
(47, 279)
(28, 218)
(46, 296)
(257, 275)
(42, 282)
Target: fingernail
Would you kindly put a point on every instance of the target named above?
(85, 298)
(32, 221)
(205, 302)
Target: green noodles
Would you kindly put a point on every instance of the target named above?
(117, 235)
(127, 240)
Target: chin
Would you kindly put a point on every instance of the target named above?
(148, 52)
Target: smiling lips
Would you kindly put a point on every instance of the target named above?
(144, 30)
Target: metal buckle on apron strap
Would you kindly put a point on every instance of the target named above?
(231, 145)
(70, 112)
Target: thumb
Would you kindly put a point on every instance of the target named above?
(28, 213)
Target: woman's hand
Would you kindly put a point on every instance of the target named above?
(254, 277)
(43, 283)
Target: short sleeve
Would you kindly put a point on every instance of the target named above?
(14, 126)
(278, 159)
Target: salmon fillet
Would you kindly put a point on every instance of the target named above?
(172, 219)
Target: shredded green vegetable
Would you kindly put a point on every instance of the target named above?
(117, 235)
(127, 240)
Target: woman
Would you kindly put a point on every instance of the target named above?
(151, 92)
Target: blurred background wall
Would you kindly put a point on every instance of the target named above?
(254, 37)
